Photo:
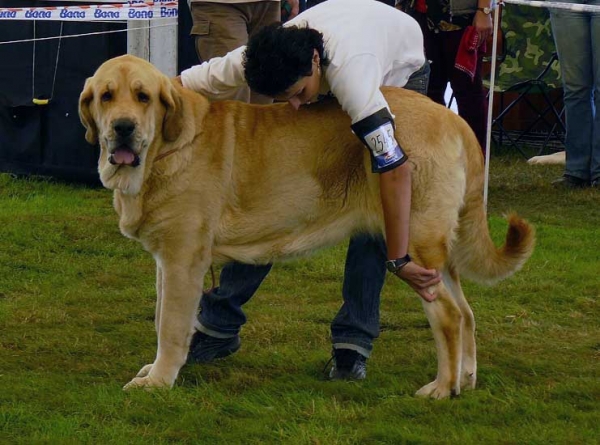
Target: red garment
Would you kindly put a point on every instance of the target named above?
(466, 56)
(421, 6)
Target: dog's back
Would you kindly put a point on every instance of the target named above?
(300, 180)
(295, 181)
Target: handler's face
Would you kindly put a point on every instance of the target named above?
(306, 89)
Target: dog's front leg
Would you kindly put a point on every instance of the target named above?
(179, 286)
(159, 291)
(159, 296)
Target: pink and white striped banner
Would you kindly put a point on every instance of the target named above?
(132, 10)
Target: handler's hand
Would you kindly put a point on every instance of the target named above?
(483, 24)
(420, 279)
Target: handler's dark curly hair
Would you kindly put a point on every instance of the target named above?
(276, 57)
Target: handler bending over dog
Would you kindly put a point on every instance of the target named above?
(347, 49)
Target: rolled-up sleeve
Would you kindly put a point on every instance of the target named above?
(218, 76)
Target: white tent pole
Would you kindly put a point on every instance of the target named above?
(157, 45)
(488, 136)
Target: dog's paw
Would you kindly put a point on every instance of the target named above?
(143, 379)
(146, 383)
(436, 390)
(468, 381)
(145, 370)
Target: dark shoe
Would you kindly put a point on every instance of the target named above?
(570, 182)
(348, 365)
(205, 349)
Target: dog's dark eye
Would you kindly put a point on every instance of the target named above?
(143, 97)
(106, 97)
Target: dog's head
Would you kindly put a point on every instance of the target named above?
(128, 107)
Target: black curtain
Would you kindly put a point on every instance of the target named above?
(48, 139)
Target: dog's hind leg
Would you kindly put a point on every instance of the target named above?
(445, 319)
(430, 241)
(468, 377)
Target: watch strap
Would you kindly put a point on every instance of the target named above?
(395, 265)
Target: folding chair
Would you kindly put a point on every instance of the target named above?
(528, 84)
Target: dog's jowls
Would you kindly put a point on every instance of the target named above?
(200, 183)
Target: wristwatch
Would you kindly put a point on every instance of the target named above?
(395, 265)
(485, 10)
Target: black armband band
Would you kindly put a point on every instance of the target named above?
(377, 133)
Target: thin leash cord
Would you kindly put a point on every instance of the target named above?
(165, 154)
(327, 364)
(87, 34)
(213, 281)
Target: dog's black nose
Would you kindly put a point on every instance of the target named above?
(124, 127)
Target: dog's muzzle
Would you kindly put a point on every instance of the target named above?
(123, 154)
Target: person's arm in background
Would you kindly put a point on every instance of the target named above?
(482, 21)
(218, 76)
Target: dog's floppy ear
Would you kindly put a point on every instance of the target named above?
(85, 116)
(173, 120)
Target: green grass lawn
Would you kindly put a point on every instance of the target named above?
(76, 324)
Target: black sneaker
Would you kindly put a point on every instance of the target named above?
(570, 182)
(205, 349)
(348, 365)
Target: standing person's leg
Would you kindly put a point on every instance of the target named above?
(219, 28)
(470, 96)
(356, 324)
(435, 53)
(259, 15)
(573, 43)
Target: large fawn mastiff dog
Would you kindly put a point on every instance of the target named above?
(199, 183)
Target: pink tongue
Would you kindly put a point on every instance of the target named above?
(122, 156)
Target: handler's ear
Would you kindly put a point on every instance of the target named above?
(173, 120)
(85, 99)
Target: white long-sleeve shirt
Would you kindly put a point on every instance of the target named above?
(368, 44)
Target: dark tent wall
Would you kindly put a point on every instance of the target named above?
(49, 139)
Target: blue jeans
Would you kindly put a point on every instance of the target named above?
(356, 324)
(577, 38)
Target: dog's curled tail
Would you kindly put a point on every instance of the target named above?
(475, 254)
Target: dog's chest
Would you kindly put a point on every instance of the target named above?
(130, 213)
